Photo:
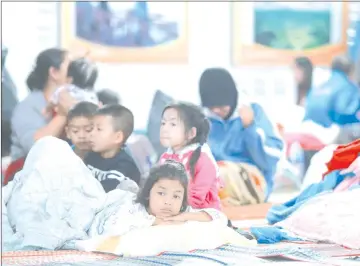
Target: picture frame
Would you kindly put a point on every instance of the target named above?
(277, 38)
(112, 33)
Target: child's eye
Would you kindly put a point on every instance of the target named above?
(176, 197)
(162, 123)
(173, 124)
(161, 193)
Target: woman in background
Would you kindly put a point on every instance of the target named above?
(28, 122)
(303, 73)
(337, 100)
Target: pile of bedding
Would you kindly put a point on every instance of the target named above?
(325, 211)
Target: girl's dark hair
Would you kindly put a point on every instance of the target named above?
(193, 117)
(305, 64)
(47, 59)
(84, 73)
(169, 170)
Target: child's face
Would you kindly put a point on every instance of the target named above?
(166, 198)
(221, 111)
(103, 138)
(78, 131)
(172, 130)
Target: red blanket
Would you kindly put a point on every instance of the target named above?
(343, 156)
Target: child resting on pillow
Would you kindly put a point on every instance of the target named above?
(162, 201)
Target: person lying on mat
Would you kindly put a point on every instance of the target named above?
(161, 201)
(242, 138)
(79, 126)
(184, 131)
(109, 161)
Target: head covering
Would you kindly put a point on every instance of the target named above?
(217, 88)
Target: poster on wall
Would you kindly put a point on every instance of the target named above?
(273, 33)
(127, 32)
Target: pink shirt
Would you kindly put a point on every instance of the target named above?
(204, 187)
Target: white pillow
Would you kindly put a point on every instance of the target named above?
(176, 238)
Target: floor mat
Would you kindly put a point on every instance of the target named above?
(225, 255)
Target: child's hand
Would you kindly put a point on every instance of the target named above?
(65, 102)
(246, 114)
(164, 221)
(47, 112)
(200, 216)
(183, 217)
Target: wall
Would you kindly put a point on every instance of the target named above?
(209, 43)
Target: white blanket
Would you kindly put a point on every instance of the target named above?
(50, 203)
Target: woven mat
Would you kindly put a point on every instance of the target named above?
(285, 253)
(46, 257)
(308, 252)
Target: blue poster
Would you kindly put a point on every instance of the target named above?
(292, 25)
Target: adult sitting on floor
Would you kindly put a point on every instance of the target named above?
(337, 100)
(28, 121)
(242, 138)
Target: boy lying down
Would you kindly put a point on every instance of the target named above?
(162, 201)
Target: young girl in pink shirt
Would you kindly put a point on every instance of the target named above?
(184, 131)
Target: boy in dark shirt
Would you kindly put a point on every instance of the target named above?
(108, 161)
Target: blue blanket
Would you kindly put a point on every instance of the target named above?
(281, 212)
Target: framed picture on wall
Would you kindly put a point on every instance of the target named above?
(273, 33)
(127, 32)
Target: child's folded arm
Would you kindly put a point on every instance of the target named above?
(207, 214)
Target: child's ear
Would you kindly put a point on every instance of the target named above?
(119, 137)
(192, 133)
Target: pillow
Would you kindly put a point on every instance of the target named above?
(160, 101)
(153, 240)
